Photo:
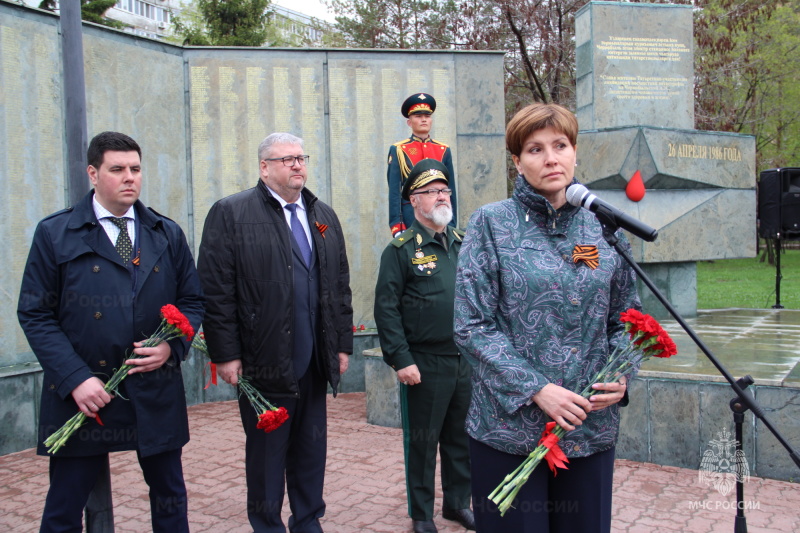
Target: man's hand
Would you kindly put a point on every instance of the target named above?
(229, 371)
(614, 393)
(91, 396)
(150, 358)
(344, 362)
(409, 375)
(565, 407)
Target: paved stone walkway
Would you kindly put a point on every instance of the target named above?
(365, 489)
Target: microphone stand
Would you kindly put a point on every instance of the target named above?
(778, 276)
(743, 402)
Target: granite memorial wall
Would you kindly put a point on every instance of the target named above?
(199, 115)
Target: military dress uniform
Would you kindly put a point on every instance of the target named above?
(414, 298)
(403, 155)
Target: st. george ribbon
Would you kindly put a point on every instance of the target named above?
(579, 196)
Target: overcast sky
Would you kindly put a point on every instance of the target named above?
(312, 8)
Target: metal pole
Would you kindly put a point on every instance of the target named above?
(99, 510)
(74, 99)
(778, 275)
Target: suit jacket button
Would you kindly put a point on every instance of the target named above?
(577, 447)
(52, 387)
(96, 269)
(98, 315)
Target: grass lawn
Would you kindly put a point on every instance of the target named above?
(748, 283)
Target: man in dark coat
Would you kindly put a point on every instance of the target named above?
(418, 110)
(273, 265)
(414, 298)
(96, 278)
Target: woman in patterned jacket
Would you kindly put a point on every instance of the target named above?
(537, 322)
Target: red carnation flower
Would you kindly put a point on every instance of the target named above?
(664, 346)
(173, 324)
(647, 339)
(178, 320)
(650, 326)
(633, 320)
(271, 420)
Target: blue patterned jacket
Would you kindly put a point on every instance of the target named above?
(526, 315)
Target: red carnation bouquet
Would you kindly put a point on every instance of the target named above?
(174, 324)
(647, 339)
(270, 417)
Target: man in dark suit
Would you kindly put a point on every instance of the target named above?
(418, 110)
(273, 264)
(96, 278)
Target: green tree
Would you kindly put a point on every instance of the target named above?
(746, 55)
(91, 10)
(384, 23)
(778, 135)
(224, 23)
(537, 35)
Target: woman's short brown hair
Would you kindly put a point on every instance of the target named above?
(538, 116)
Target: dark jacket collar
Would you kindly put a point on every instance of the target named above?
(308, 197)
(83, 214)
(538, 209)
(535, 202)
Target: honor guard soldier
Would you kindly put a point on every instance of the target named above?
(403, 155)
(414, 298)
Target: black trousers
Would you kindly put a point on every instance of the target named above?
(577, 499)
(433, 413)
(72, 479)
(293, 456)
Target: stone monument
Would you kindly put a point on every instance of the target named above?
(638, 150)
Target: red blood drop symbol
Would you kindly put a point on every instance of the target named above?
(635, 189)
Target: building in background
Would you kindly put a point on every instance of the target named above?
(153, 19)
(148, 19)
(293, 28)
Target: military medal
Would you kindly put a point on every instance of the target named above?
(419, 254)
(424, 261)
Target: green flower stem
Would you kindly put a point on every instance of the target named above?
(620, 360)
(57, 440)
(259, 403)
(504, 494)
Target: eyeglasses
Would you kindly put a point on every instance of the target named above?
(289, 160)
(433, 193)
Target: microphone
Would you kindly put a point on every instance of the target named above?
(579, 196)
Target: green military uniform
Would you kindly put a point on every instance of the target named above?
(414, 298)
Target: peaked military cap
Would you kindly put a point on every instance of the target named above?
(418, 103)
(423, 173)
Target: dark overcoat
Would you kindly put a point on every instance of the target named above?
(82, 309)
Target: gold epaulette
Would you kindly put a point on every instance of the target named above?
(404, 238)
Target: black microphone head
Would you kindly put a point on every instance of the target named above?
(575, 194)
